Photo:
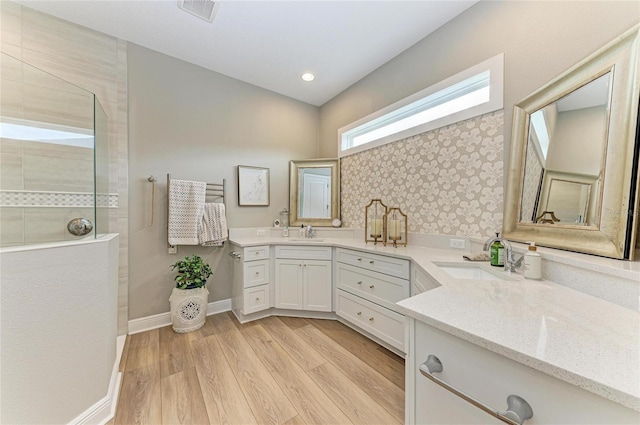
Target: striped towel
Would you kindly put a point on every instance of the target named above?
(186, 206)
(213, 231)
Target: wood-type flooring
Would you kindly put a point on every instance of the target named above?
(277, 370)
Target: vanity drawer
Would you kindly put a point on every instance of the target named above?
(303, 252)
(255, 299)
(422, 281)
(378, 321)
(251, 253)
(379, 263)
(377, 287)
(255, 273)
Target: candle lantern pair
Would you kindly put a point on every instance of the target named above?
(384, 224)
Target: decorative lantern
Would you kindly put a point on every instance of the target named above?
(395, 224)
(374, 221)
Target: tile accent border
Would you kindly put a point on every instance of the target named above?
(24, 198)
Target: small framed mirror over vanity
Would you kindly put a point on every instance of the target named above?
(573, 169)
(314, 192)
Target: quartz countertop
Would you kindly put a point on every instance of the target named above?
(574, 337)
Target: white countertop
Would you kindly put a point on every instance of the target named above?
(574, 337)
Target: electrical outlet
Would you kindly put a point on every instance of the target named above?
(261, 232)
(457, 243)
(173, 249)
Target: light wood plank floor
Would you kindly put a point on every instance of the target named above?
(277, 370)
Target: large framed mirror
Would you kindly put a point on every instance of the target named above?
(573, 172)
(314, 192)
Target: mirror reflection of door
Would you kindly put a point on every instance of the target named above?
(567, 137)
(568, 201)
(315, 194)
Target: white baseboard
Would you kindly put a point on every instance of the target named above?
(159, 320)
(105, 409)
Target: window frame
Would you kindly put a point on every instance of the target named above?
(494, 65)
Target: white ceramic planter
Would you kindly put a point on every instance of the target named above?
(188, 309)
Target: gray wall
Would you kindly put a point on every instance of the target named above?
(540, 39)
(198, 125)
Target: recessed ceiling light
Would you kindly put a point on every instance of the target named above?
(307, 76)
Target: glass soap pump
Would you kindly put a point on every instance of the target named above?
(284, 218)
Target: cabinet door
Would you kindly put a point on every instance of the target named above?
(491, 378)
(317, 285)
(288, 284)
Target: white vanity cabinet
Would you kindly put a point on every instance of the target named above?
(251, 279)
(303, 278)
(367, 288)
(491, 378)
(422, 282)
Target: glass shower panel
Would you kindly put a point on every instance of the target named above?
(104, 198)
(46, 155)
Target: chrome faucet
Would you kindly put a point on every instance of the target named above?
(310, 232)
(510, 263)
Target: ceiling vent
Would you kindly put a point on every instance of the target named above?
(203, 9)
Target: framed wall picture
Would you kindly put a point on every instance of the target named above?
(253, 186)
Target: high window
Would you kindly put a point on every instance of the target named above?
(472, 92)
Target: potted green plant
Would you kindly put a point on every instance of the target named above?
(190, 296)
(192, 272)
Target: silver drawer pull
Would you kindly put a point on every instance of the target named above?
(518, 410)
(234, 254)
(371, 287)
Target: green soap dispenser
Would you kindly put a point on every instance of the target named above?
(497, 253)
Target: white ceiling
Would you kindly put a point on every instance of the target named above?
(271, 43)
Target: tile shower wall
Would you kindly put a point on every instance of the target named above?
(449, 181)
(97, 63)
(42, 187)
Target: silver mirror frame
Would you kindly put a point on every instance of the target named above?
(294, 166)
(616, 233)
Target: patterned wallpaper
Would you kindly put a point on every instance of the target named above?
(448, 181)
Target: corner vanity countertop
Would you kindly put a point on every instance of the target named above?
(574, 337)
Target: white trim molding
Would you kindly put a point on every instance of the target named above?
(418, 111)
(164, 319)
(105, 409)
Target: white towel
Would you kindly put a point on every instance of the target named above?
(186, 206)
(213, 231)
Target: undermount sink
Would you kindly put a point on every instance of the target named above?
(306, 239)
(472, 271)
